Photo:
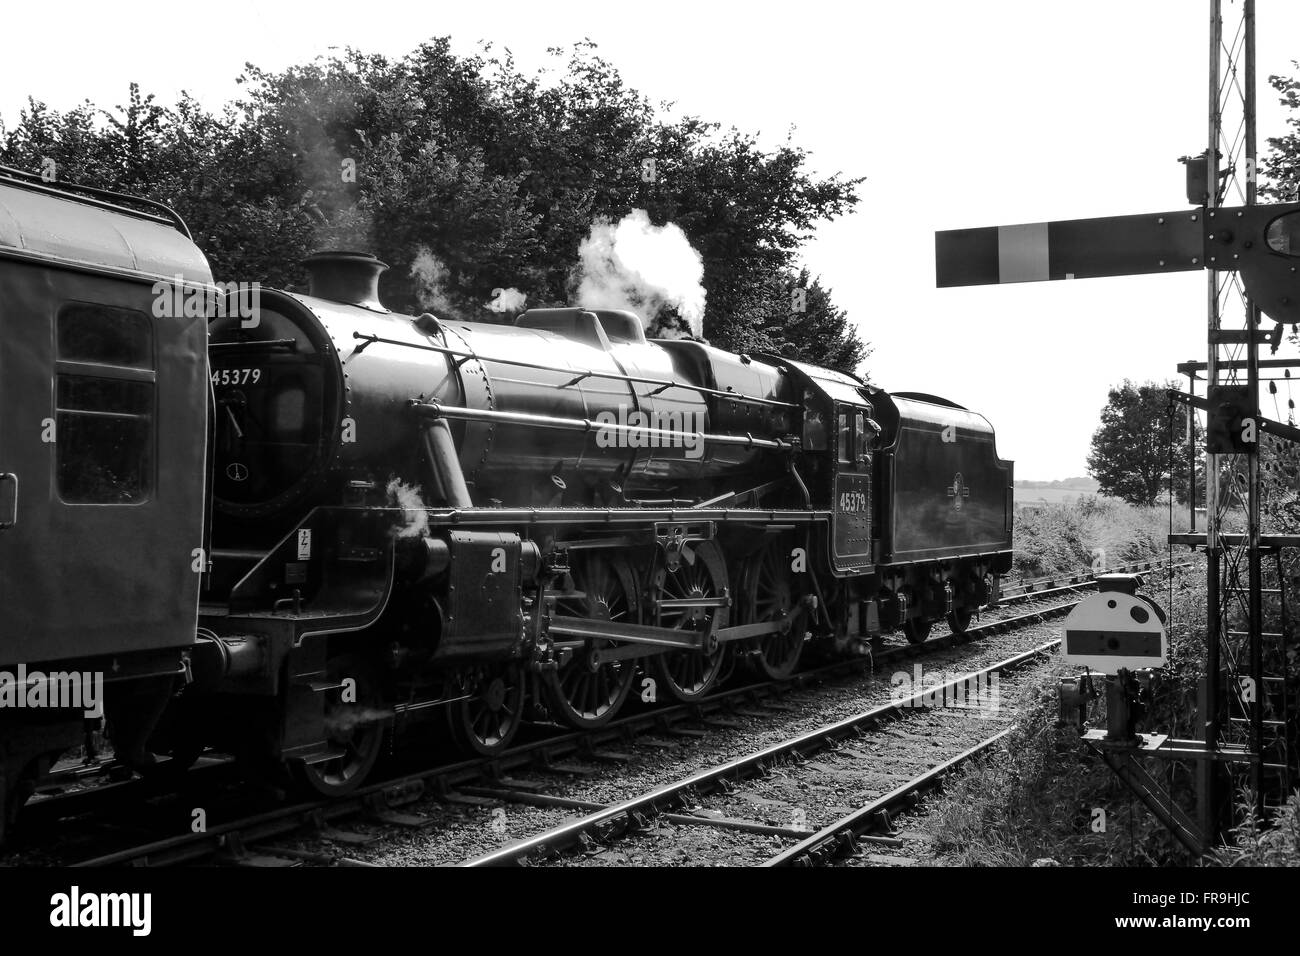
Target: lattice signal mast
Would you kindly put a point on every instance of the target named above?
(1252, 253)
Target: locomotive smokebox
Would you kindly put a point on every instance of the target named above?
(348, 277)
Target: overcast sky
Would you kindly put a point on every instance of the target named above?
(959, 113)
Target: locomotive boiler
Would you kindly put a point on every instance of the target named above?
(343, 521)
(329, 396)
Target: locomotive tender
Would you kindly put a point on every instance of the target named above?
(290, 533)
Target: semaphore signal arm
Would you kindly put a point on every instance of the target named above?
(1260, 242)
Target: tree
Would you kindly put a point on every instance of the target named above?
(497, 174)
(1141, 437)
(1280, 169)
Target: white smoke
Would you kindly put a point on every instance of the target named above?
(645, 269)
(507, 300)
(416, 515)
(430, 274)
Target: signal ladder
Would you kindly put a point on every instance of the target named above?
(1280, 701)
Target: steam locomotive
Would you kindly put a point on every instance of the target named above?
(290, 530)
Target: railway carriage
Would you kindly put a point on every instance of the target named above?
(103, 415)
(337, 521)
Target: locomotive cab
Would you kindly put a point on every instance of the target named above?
(838, 423)
(273, 410)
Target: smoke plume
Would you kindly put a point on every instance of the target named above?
(416, 515)
(507, 300)
(430, 274)
(644, 268)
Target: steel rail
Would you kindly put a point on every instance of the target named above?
(651, 803)
(189, 847)
(836, 838)
(1086, 577)
(538, 753)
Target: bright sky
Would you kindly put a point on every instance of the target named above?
(960, 113)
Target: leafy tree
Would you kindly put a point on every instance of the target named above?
(1140, 438)
(496, 173)
(1280, 181)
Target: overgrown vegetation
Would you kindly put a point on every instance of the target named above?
(1253, 845)
(1036, 802)
(1071, 537)
(1039, 800)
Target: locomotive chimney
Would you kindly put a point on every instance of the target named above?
(348, 277)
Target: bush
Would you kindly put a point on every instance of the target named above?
(1036, 800)
(1065, 538)
(1255, 846)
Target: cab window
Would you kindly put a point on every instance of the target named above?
(846, 439)
(104, 405)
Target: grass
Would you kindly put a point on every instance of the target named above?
(1045, 800)
(1041, 800)
(1067, 538)
(1037, 802)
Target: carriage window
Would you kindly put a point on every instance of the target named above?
(846, 439)
(860, 432)
(93, 333)
(104, 398)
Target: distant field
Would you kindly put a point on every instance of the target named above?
(1052, 496)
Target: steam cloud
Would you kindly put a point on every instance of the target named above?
(430, 274)
(346, 719)
(416, 515)
(645, 269)
(507, 300)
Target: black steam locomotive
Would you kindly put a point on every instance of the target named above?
(289, 529)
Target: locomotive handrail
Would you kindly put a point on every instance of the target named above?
(94, 196)
(434, 410)
(590, 373)
(256, 344)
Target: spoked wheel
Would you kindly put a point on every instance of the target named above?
(587, 692)
(687, 675)
(768, 594)
(916, 630)
(355, 723)
(487, 720)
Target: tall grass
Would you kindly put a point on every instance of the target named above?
(1036, 801)
(1067, 538)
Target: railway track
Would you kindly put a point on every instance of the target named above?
(842, 836)
(1064, 582)
(605, 824)
(481, 783)
(473, 782)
